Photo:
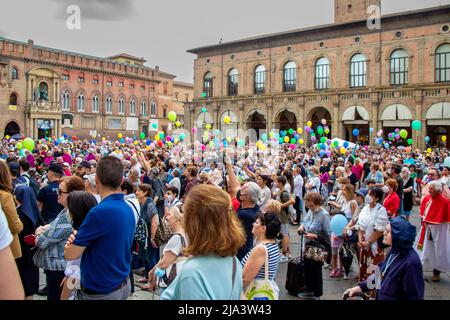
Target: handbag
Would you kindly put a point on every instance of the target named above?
(163, 233)
(315, 251)
(39, 258)
(262, 289)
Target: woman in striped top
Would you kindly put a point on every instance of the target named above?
(265, 229)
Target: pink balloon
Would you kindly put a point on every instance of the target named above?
(168, 138)
(292, 146)
(203, 147)
(194, 130)
(308, 129)
(313, 139)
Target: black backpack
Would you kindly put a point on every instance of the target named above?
(140, 235)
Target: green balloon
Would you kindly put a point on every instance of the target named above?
(335, 143)
(320, 131)
(291, 131)
(142, 135)
(323, 140)
(403, 134)
(416, 125)
(410, 141)
(293, 141)
(28, 143)
(154, 125)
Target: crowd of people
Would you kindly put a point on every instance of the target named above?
(217, 227)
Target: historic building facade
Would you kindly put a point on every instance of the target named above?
(347, 73)
(47, 92)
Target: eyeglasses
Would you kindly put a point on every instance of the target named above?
(60, 192)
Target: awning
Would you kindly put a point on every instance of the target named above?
(438, 122)
(397, 112)
(356, 122)
(397, 123)
(439, 111)
(350, 113)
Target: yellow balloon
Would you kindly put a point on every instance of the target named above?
(300, 130)
(227, 119)
(103, 138)
(444, 138)
(286, 139)
(208, 126)
(228, 139)
(343, 150)
(429, 150)
(7, 137)
(120, 136)
(157, 137)
(135, 143)
(309, 124)
(301, 141)
(178, 123)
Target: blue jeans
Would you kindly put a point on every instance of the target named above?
(400, 211)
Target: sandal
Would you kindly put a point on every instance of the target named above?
(147, 287)
(143, 280)
(333, 274)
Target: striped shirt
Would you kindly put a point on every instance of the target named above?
(274, 261)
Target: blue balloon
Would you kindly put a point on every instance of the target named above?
(323, 146)
(386, 145)
(283, 133)
(56, 143)
(338, 223)
(321, 153)
(427, 139)
(65, 136)
(346, 144)
(149, 142)
(172, 139)
(122, 141)
(356, 132)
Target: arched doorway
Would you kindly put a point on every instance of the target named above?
(438, 123)
(356, 117)
(229, 124)
(256, 121)
(286, 120)
(317, 115)
(11, 129)
(397, 116)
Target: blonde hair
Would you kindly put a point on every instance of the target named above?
(272, 206)
(175, 211)
(213, 227)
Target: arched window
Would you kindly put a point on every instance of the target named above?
(121, 106)
(143, 108)
(358, 71)
(108, 105)
(81, 77)
(208, 85)
(322, 75)
(290, 77)
(260, 79)
(14, 73)
(65, 101)
(66, 75)
(153, 108)
(13, 99)
(109, 82)
(80, 102)
(95, 106)
(399, 67)
(233, 82)
(133, 107)
(443, 63)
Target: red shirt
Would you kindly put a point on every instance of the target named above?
(357, 170)
(236, 204)
(392, 204)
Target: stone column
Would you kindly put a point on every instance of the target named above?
(301, 115)
(241, 123)
(216, 117)
(374, 121)
(35, 129)
(269, 115)
(336, 131)
(419, 136)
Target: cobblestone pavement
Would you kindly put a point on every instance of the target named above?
(333, 288)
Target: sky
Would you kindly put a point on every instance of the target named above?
(161, 31)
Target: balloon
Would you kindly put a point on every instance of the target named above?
(136, 142)
(178, 124)
(300, 130)
(19, 146)
(120, 136)
(329, 142)
(386, 145)
(291, 131)
(271, 134)
(323, 146)
(122, 141)
(338, 223)
(182, 136)
(160, 143)
(161, 135)
(241, 143)
(293, 141)
(343, 150)
(410, 141)
(264, 137)
(157, 137)
(28, 143)
(168, 138)
(371, 130)
(308, 129)
(313, 139)
(323, 139)
(301, 141)
(172, 116)
(155, 125)
(324, 122)
(427, 139)
(429, 150)
(444, 138)
(286, 139)
(148, 142)
(227, 119)
(280, 140)
(320, 130)
(346, 144)
(142, 135)
(204, 110)
(408, 149)
(208, 127)
(416, 125)
(397, 131)
(403, 134)
(321, 153)
(74, 138)
(397, 137)
(194, 130)
(335, 143)
(327, 131)
(309, 124)
(211, 144)
(356, 132)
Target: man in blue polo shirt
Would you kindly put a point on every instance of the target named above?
(104, 239)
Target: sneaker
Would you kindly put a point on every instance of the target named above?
(345, 276)
(284, 258)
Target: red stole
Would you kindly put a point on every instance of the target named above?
(433, 211)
